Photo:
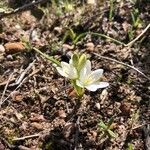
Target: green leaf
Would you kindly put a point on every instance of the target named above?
(72, 34)
(75, 59)
(111, 133)
(102, 125)
(110, 123)
(130, 147)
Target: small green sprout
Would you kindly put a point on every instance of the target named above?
(62, 6)
(131, 34)
(136, 21)
(130, 147)
(111, 10)
(75, 37)
(68, 5)
(107, 129)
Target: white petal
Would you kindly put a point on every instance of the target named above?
(88, 67)
(96, 75)
(65, 65)
(60, 71)
(79, 83)
(67, 70)
(82, 73)
(72, 72)
(95, 86)
(85, 71)
(71, 62)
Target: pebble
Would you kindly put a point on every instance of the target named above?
(92, 2)
(9, 57)
(67, 47)
(98, 106)
(37, 125)
(90, 46)
(2, 49)
(14, 47)
(62, 114)
(58, 29)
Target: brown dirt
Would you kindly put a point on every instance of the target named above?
(45, 103)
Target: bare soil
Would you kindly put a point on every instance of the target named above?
(39, 103)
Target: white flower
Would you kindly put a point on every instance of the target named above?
(67, 70)
(90, 79)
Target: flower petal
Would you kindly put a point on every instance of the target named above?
(88, 67)
(64, 65)
(95, 86)
(67, 70)
(85, 71)
(96, 75)
(60, 71)
(79, 83)
(72, 72)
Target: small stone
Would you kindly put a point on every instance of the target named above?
(37, 117)
(9, 57)
(68, 47)
(14, 47)
(98, 106)
(2, 49)
(90, 46)
(16, 96)
(103, 95)
(72, 93)
(58, 29)
(125, 108)
(37, 125)
(94, 134)
(92, 2)
(62, 114)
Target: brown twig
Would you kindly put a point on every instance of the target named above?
(133, 41)
(23, 8)
(23, 74)
(10, 77)
(122, 63)
(23, 80)
(27, 137)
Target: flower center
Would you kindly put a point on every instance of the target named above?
(88, 80)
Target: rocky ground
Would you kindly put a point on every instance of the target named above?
(38, 107)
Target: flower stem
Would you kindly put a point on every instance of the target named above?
(79, 90)
(53, 60)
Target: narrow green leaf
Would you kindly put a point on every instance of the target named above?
(102, 125)
(111, 133)
(110, 123)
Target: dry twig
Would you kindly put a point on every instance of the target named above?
(21, 82)
(23, 74)
(23, 8)
(143, 32)
(9, 79)
(27, 137)
(122, 63)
